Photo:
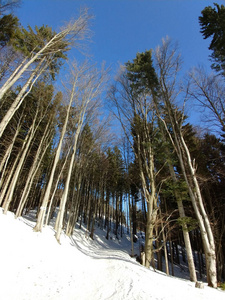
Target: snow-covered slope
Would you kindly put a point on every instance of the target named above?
(35, 266)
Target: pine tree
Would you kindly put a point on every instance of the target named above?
(213, 25)
(8, 26)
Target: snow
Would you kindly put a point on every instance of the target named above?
(34, 266)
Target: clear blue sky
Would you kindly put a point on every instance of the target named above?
(124, 27)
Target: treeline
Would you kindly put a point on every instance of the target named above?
(163, 178)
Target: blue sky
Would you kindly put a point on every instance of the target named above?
(121, 28)
(124, 27)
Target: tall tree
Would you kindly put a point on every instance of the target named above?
(39, 108)
(212, 22)
(208, 91)
(8, 26)
(167, 61)
(44, 49)
(86, 102)
(72, 92)
(211, 160)
(134, 101)
(144, 74)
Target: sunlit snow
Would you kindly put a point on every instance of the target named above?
(35, 266)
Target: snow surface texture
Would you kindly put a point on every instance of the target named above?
(35, 266)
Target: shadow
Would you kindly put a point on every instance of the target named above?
(28, 220)
(90, 252)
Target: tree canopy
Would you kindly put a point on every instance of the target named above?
(212, 22)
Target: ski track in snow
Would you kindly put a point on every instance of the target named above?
(35, 267)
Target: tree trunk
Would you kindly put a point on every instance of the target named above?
(165, 250)
(206, 230)
(131, 227)
(150, 225)
(32, 172)
(195, 195)
(17, 171)
(6, 157)
(75, 207)
(66, 188)
(7, 181)
(56, 186)
(76, 30)
(168, 63)
(171, 256)
(21, 96)
(187, 242)
(41, 215)
(94, 216)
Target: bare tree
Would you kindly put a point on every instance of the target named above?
(168, 65)
(42, 148)
(86, 100)
(72, 33)
(8, 5)
(40, 113)
(208, 90)
(77, 75)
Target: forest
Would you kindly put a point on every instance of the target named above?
(162, 176)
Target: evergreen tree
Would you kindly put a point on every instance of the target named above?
(212, 22)
(43, 50)
(134, 96)
(8, 26)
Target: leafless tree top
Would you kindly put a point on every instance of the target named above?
(6, 6)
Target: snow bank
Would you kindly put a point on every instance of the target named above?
(35, 266)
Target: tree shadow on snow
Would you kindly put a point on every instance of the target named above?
(94, 252)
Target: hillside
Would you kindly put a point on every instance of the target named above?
(35, 266)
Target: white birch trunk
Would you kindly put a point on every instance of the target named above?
(9, 177)
(91, 85)
(168, 63)
(76, 30)
(6, 182)
(7, 155)
(21, 96)
(41, 214)
(56, 186)
(32, 172)
(187, 241)
(15, 177)
(196, 199)
(74, 202)
(66, 188)
(206, 230)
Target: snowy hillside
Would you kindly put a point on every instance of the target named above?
(35, 266)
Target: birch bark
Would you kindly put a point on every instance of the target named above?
(33, 170)
(76, 30)
(41, 214)
(168, 63)
(21, 96)
(90, 87)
